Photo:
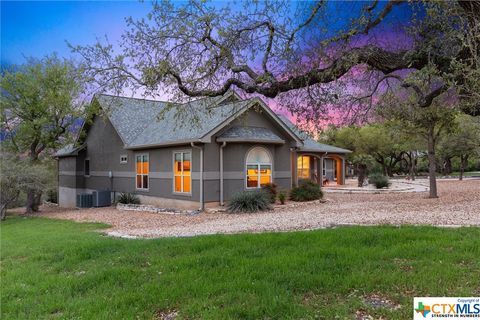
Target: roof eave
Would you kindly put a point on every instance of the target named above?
(280, 141)
(323, 151)
(161, 145)
(72, 153)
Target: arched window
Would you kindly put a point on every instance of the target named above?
(259, 168)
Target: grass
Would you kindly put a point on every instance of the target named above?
(466, 174)
(52, 269)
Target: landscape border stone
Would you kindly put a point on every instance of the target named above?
(150, 208)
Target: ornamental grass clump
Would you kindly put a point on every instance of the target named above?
(128, 198)
(379, 180)
(249, 201)
(306, 191)
(282, 196)
(271, 190)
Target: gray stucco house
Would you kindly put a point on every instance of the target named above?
(191, 155)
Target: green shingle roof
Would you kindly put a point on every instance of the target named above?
(143, 123)
(148, 123)
(310, 145)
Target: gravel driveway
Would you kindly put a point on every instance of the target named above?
(459, 204)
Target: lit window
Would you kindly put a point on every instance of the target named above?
(123, 159)
(303, 167)
(87, 167)
(142, 171)
(182, 167)
(259, 168)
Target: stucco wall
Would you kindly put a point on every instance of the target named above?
(235, 154)
(104, 148)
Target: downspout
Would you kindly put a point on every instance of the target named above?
(221, 173)
(202, 204)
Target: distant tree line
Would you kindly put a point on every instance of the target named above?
(397, 147)
(40, 103)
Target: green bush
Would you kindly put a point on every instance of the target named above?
(128, 198)
(249, 201)
(52, 196)
(379, 180)
(271, 190)
(282, 196)
(306, 191)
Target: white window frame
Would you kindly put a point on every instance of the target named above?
(182, 152)
(126, 159)
(85, 167)
(142, 174)
(302, 168)
(258, 164)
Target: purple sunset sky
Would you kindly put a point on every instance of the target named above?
(35, 29)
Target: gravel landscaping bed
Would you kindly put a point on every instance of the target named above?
(458, 205)
(396, 185)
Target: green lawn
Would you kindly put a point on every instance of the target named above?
(466, 174)
(58, 269)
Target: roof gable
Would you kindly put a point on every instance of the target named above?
(147, 123)
(273, 116)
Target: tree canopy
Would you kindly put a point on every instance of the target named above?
(199, 48)
(39, 104)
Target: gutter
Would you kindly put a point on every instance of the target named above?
(222, 202)
(202, 203)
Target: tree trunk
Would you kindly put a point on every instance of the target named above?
(3, 211)
(31, 205)
(447, 166)
(432, 163)
(412, 165)
(413, 169)
(362, 173)
(33, 196)
(33, 201)
(463, 164)
(389, 172)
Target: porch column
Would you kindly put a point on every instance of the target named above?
(339, 165)
(222, 202)
(343, 170)
(321, 171)
(317, 169)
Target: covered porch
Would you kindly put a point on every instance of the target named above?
(324, 168)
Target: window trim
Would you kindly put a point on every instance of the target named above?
(173, 172)
(85, 167)
(126, 159)
(258, 164)
(302, 168)
(136, 174)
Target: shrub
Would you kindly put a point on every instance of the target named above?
(128, 198)
(271, 190)
(306, 191)
(249, 201)
(379, 180)
(282, 196)
(52, 196)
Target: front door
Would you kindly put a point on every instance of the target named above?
(307, 168)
